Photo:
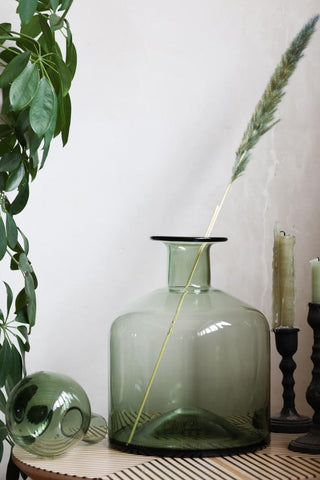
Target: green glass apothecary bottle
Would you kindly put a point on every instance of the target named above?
(210, 394)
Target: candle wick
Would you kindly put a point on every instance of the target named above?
(283, 232)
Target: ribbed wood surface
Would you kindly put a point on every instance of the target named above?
(99, 462)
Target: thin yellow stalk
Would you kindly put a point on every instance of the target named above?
(176, 314)
(217, 211)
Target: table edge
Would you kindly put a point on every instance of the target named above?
(36, 473)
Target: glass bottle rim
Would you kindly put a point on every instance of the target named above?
(188, 239)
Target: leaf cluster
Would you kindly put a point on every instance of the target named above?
(262, 119)
(37, 65)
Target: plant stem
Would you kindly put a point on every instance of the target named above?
(178, 309)
(63, 16)
(12, 257)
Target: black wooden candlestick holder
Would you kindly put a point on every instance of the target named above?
(310, 443)
(288, 420)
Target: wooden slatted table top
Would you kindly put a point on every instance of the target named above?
(99, 462)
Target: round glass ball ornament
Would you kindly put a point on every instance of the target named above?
(47, 413)
(210, 391)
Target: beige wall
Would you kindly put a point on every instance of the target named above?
(163, 93)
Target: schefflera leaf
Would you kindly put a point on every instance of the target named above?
(10, 161)
(42, 109)
(54, 4)
(31, 299)
(14, 68)
(5, 358)
(24, 87)
(26, 10)
(15, 178)
(50, 132)
(3, 239)
(12, 231)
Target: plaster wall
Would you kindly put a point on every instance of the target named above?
(162, 95)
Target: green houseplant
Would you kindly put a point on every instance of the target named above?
(38, 63)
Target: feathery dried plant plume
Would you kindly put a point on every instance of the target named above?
(263, 116)
(261, 122)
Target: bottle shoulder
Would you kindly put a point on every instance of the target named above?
(210, 304)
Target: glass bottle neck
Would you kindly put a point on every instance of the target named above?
(182, 257)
